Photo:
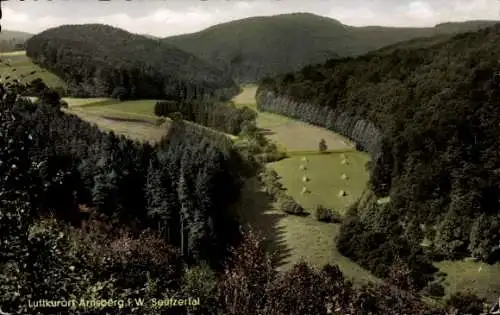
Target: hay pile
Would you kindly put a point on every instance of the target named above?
(304, 190)
(344, 162)
(344, 177)
(342, 193)
(305, 178)
(302, 167)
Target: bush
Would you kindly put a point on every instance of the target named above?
(434, 289)
(289, 205)
(160, 121)
(324, 214)
(322, 145)
(465, 303)
(120, 93)
(176, 116)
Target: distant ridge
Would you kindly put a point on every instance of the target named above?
(255, 47)
(13, 40)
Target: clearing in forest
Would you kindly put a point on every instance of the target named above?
(292, 238)
(481, 278)
(288, 133)
(133, 126)
(326, 177)
(17, 65)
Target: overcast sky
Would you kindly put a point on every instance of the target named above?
(172, 17)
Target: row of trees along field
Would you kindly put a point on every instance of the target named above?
(437, 110)
(99, 60)
(215, 115)
(89, 215)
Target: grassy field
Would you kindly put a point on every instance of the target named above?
(479, 277)
(137, 128)
(288, 133)
(140, 107)
(291, 239)
(324, 174)
(16, 65)
(130, 118)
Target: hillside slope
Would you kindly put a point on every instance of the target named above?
(13, 40)
(255, 47)
(100, 60)
(429, 116)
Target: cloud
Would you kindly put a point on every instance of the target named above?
(166, 18)
(12, 16)
(420, 10)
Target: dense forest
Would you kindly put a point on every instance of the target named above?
(429, 117)
(98, 60)
(90, 216)
(252, 48)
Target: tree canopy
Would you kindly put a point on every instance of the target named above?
(96, 59)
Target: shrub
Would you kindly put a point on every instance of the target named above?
(465, 303)
(289, 205)
(176, 116)
(322, 145)
(324, 214)
(120, 93)
(434, 289)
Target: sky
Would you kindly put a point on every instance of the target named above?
(172, 17)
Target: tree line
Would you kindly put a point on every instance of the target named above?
(428, 116)
(215, 115)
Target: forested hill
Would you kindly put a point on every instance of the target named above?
(430, 117)
(100, 60)
(255, 47)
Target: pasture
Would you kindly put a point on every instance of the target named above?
(290, 239)
(326, 177)
(17, 65)
(137, 128)
(289, 133)
(481, 278)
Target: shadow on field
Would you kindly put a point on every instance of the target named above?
(132, 120)
(256, 209)
(266, 132)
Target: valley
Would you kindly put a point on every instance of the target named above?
(350, 170)
(291, 238)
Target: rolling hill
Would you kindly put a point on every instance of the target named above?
(255, 47)
(97, 60)
(429, 118)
